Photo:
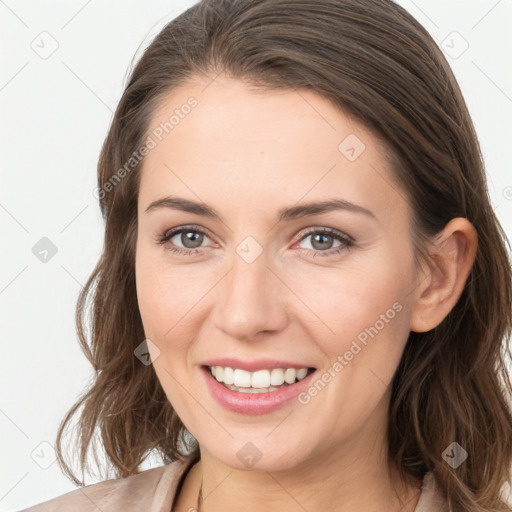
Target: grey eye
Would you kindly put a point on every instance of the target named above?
(190, 239)
(321, 241)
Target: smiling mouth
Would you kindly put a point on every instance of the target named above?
(260, 381)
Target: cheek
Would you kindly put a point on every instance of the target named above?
(361, 312)
(151, 297)
(164, 292)
(172, 302)
(163, 306)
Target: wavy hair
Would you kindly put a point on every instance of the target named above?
(374, 61)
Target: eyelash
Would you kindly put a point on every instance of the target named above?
(347, 241)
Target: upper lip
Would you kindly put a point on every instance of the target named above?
(254, 365)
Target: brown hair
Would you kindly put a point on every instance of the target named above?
(376, 62)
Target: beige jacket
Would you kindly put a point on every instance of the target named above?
(154, 490)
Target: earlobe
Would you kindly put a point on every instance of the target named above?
(452, 254)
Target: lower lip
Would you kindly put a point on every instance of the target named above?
(253, 403)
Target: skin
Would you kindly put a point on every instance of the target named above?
(248, 154)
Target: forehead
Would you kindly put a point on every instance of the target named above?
(251, 146)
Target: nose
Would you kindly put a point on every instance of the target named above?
(251, 299)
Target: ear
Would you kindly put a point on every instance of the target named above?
(442, 279)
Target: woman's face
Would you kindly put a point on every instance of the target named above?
(261, 282)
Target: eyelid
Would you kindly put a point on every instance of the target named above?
(326, 230)
(346, 240)
(170, 233)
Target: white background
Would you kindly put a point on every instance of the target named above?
(55, 113)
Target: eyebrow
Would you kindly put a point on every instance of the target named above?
(285, 214)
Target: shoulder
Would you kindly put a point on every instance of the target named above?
(431, 499)
(146, 491)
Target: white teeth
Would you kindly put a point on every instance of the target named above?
(241, 378)
(276, 377)
(228, 375)
(301, 373)
(290, 375)
(259, 381)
